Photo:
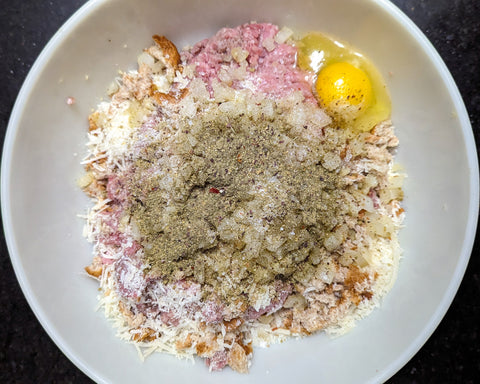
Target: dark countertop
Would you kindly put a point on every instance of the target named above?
(451, 355)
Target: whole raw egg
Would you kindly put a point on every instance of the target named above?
(347, 86)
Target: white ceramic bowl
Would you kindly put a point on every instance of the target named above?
(46, 138)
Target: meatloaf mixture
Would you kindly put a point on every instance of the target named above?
(229, 209)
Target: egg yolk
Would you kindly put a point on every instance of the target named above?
(343, 89)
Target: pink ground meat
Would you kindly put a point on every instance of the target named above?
(271, 72)
(218, 361)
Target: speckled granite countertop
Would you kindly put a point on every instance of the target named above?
(451, 355)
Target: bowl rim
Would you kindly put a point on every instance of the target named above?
(90, 7)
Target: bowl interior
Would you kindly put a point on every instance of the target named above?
(46, 142)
